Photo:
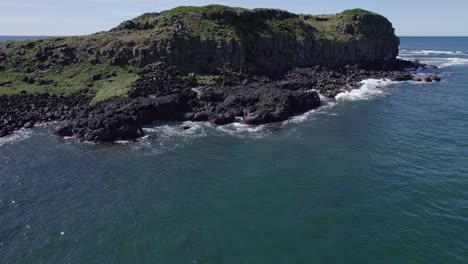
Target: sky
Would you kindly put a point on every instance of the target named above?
(79, 17)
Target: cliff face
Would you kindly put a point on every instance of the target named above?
(213, 37)
(277, 53)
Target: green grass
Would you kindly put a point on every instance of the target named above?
(347, 14)
(220, 22)
(210, 29)
(206, 79)
(73, 80)
(181, 10)
(289, 27)
(328, 26)
(65, 80)
(115, 86)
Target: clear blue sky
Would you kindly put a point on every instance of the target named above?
(76, 17)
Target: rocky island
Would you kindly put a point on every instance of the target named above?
(212, 63)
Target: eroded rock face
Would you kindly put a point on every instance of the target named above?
(63, 54)
(272, 54)
(261, 38)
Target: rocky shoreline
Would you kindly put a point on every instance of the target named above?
(161, 93)
(211, 63)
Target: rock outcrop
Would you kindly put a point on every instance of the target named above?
(212, 63)
(207, 38)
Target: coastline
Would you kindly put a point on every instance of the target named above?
(163, 94)
(213, 63)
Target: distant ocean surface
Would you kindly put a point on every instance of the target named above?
(3, 38)
(379, 175)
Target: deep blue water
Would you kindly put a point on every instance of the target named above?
(378, 176)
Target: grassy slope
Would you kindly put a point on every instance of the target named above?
(70, 78)
(69, 75)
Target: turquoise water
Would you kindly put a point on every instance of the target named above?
(378, 176)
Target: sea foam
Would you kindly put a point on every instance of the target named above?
(454, 62)
(19, 135)
(430, 52)
(370, 89)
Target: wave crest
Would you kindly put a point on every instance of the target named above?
(17, 136)
(430, 52)
(369, 89)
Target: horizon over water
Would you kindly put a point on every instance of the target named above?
(378, 175)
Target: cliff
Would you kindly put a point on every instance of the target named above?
(194, 39)
(216, 35)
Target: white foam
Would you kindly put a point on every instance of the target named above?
(169, 129)
(123, 142)
(197, 91)
(439, 58)
(169, 135)
(17, 136)
(370, 89)
(240, 127)
(454, 62)
(430, 52)
(326, 105)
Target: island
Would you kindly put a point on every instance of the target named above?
(213, 63)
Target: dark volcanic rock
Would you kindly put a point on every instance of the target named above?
(122, 118)
(20, 111)
(435, 78)
(95, 77)
(159, 80)
(161, 93)
(3, 56)
(256, 103)
(29, 80)
(405, 76)
(5, 83)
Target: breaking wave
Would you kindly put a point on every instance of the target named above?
(440, 58)
(19, 135)
(430, 52)
(369, 89)
(454, 62)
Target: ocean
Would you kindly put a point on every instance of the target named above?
(379, 175)
(4, 38)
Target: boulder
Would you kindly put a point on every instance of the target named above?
(435, 78)
(404, 76)
(223, 119)
(28, 79)
(5, 83)
(95, 77)
(3, 56)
